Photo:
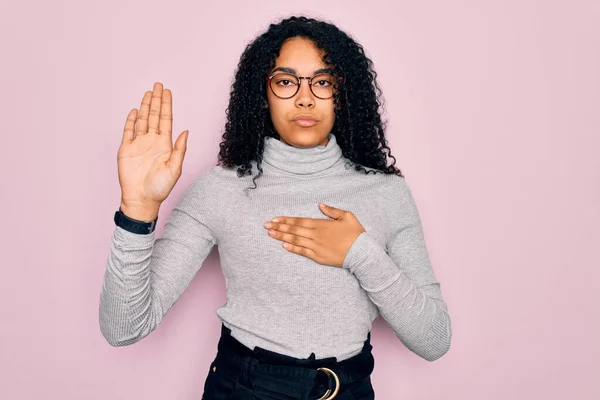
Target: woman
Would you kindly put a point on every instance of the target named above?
(304, 280)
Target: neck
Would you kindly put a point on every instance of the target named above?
(283, 157)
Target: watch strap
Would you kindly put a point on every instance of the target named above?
(134, 225)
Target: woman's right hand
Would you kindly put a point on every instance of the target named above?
(148, 163)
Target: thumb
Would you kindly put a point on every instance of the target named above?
(175, 163)
(332, 212)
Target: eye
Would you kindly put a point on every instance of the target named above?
(285, 80)
(323, 82)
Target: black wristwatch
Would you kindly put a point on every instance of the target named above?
(134, 225)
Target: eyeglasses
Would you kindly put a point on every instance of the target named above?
(285, 85)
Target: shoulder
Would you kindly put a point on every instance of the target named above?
(202, 189)
(392, 192)
(213, 177)
(217, 182)
(388, 184)
(399, 192)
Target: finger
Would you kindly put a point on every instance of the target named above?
(335, 213)
(141, 124)
(165, 124)
(305, 222)
(303, 251)
(175, 163)
(293, 229)
(293, 239)
(155, 104)
(128, 132)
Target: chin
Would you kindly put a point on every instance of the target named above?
(304, 139)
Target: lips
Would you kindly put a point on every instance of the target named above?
(305, 120)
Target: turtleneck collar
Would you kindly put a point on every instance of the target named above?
(301, 161)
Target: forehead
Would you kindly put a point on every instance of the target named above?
(301, 54)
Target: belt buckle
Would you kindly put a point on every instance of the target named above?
(328, 394)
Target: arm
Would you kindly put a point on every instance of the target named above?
(402, 284)
(145, 276)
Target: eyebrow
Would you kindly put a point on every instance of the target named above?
(293, 71)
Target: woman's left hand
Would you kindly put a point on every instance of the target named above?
(324, 241)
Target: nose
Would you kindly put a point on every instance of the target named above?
(305, 97)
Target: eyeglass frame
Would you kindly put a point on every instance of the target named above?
(339, 80)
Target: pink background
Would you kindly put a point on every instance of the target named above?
(493, 110)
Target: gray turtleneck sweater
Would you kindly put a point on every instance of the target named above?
(276, 299)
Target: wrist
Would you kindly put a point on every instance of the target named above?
(144, 213)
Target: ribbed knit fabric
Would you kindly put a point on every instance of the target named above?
(276, 299)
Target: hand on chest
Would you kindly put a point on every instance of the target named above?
(318, 233)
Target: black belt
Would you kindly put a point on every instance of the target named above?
(308, 374)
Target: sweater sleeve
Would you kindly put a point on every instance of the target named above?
(145, 276)
(402, 283)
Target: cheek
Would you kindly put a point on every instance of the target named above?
(279, 110)
(275, 112)
(328, 113)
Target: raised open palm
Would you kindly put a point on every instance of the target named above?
(148, 163)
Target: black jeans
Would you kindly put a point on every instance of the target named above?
(240, 373)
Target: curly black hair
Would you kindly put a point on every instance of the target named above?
(358, 126)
